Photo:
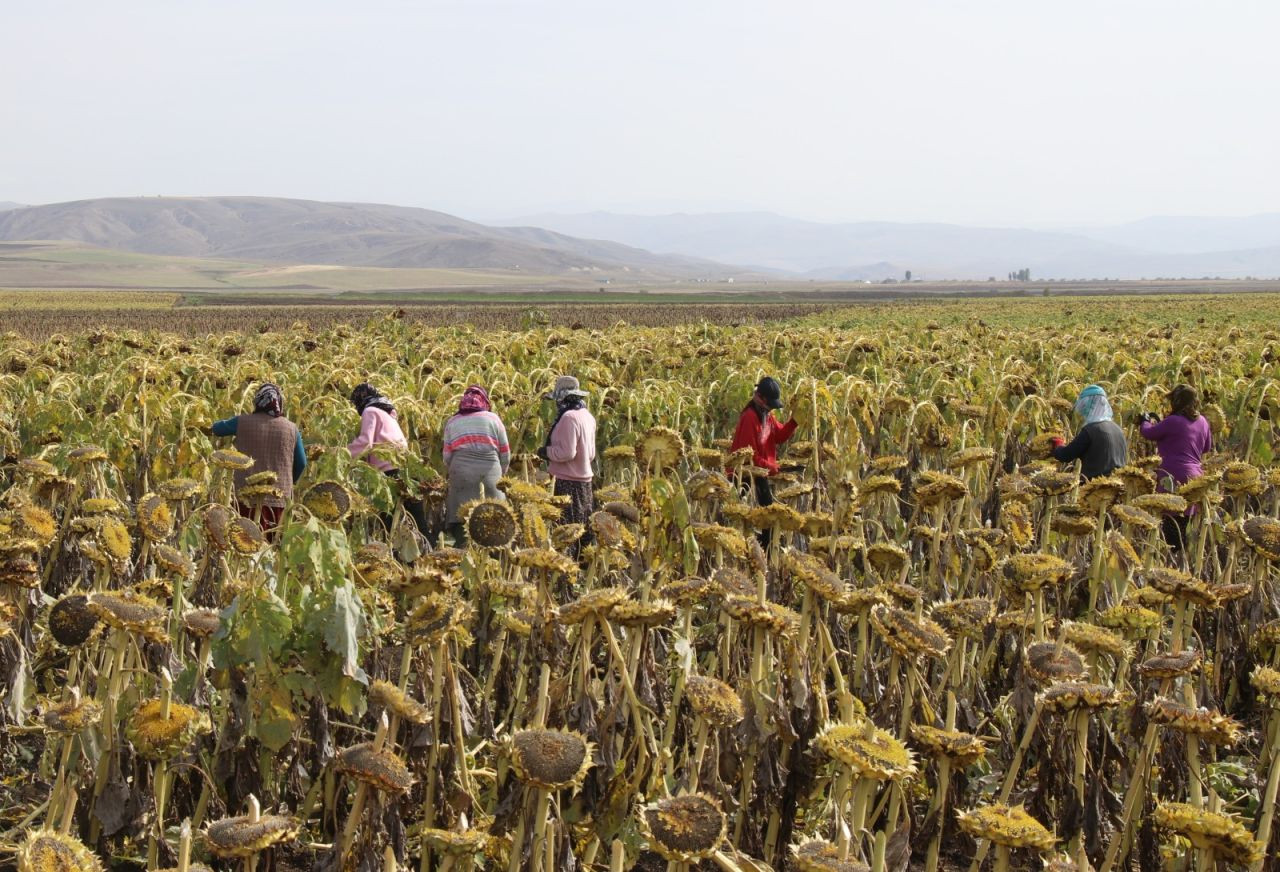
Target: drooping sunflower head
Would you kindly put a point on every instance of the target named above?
(380, 769)
(660, 448)
(960, 748)
(1165, 666)
(684, 829)
(909, 635)
(51, 851)
(1030, 572)
(816, 855)
(155, 518)
(968, 618)
(1049, 662)
(36, 523)
(1180, 585)
(1160, 504)
(491, 524)
(245, 536)
(243, 836)
(159, 738)
(72, 716)
(1067, 696)
(132, 611)
(1091, 638)
(201, 623)
(179, 489)
(1263, 535)
(1211, 726)
(1006, 825)
(395, 700)
(328, 500)
(1227, 837)
(172, 562)
(1134, 517)
(713, 700)
(229, 458)
(71, 621)
(868, 750)
(551, 759)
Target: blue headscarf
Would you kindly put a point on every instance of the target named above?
(1092, 405)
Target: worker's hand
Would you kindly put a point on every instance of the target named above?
(542, 452)
(1057, 441)
(1150, 417)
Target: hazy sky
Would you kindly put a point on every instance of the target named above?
(1020, 112)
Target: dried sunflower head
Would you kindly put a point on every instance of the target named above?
(545, 559)
(1029, 572)
(245, 536)
(965, 617)
(131, 611)
(456, 843)
(51, 851)
(1211, 726)
(72, 716)
(201, 623)
(727, 539)
(1067, 696)
(172, 561)
(1161, 503)
(392, 698)
(71, 621)
(868, 750)
(491, 524)
(117, 545)
(1049, 662)
(243, 836)
(660, 448)
(1263, 535)
(960, 748)
(1180, 585)
(87, 453)
(1266, 681)
(551, 759)
(1015, 520)
(36, 523)
(1006, 825)
(328, 500)
(684, 829)
(887, 559)
(159, 738)
(816, 855)
(909, 635)
(690, 590)
(1093, 638)
(1129, 618)
(1098, 493)
(378, 768)
(599, 601)
(1134, 517)
(155, 518)
(815, 575)
(229, 458)
(1240, 478)
(1074, 521)
(178, 489)
(713, 700)
(1227, 837)
(1053, 483)
(1163, 666)
(778, 620)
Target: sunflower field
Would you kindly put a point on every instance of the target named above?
(954, 655)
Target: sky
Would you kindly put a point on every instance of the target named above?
(976, 112)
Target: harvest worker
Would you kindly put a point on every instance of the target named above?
(570, 450)
(476, 455)
(1099, 445)
(275, 444)
(379, 427)
(1181, 440)
(759, 430)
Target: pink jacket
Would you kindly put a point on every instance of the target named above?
(377, 427)
(572, 446)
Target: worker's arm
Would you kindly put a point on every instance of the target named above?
(1075, 449)
(226, 427)
(299, 457)
(782, 432)
(504, 448)
(747, 433)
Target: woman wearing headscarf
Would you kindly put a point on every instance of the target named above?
(1099, 445)
(476, 455)
(570, 450)
(275, 444)
(1181, 438)
(379, 427)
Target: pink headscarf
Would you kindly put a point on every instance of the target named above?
(474, 399)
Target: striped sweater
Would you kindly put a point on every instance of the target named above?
(476, 435)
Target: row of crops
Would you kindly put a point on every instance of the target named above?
(954, 655)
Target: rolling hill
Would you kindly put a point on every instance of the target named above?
(874, 250)
(276, 230)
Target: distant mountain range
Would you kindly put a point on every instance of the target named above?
(1152, 248)
(600, 245)
(5, 204)
(348, 234)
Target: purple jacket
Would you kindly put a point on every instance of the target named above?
(1180, 443)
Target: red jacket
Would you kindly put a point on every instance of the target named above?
(763, 437)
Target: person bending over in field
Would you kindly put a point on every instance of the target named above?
(759, 430)
(275, 444)
(1099, 445)
(476, 455)
(379, 427)
(1181, 438)
(570, 450)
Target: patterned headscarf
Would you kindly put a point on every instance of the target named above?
(474, 399)
(1092, 405)
(365, 395)
(269, 399)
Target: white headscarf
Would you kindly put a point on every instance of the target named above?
(1093, 406)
